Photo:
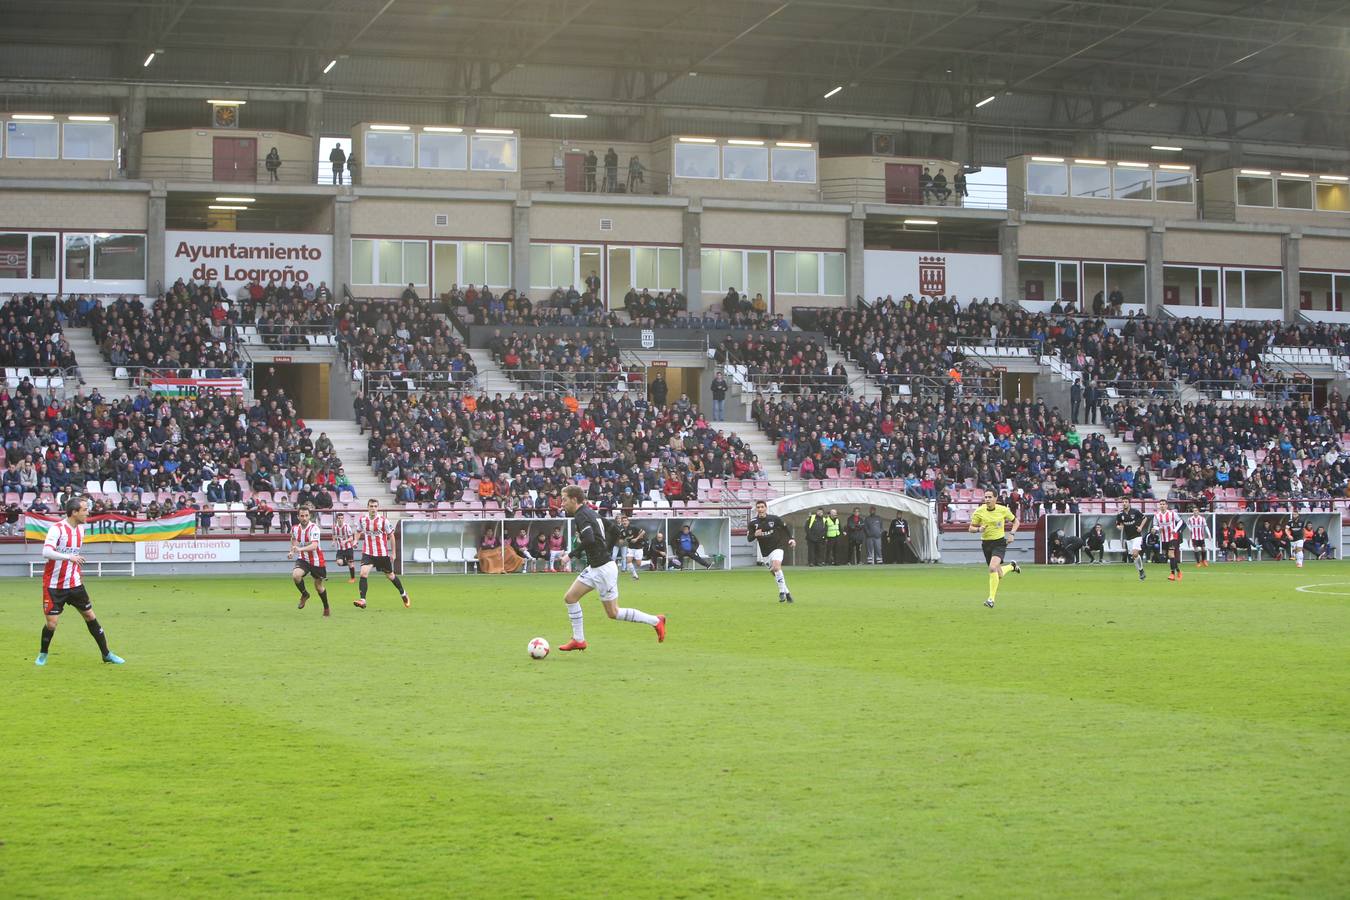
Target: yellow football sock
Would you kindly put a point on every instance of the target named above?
(1007, 567)
(994, 579)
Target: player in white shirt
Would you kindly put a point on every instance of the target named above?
(63, 580)
(378, 547)
(307, 551)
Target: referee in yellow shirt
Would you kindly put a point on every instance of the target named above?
(989, 520)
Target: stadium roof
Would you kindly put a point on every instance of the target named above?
(1271, 72)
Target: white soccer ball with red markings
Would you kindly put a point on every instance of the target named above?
(538, 648)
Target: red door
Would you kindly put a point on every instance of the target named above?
(1305, 299)
(1171, 295)
(235, 159)
(1334, 301)
(1207, 296)
(902, 183)
(574, 171)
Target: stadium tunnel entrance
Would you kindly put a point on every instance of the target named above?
(306, 384)
(923, 524)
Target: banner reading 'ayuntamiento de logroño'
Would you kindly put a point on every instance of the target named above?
(236, 258)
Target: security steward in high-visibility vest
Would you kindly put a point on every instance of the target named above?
(835, 546)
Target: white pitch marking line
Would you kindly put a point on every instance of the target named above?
(1308, 588)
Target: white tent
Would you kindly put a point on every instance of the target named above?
(924, 536)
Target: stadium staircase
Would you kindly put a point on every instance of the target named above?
(350, 445)
(867, 389)
(94, 369)
(491, 378)
(1162, 487)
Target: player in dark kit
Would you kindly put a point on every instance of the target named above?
(595, 540)
(773, 537)
(1130, 521)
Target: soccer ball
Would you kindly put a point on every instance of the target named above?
(538, 648)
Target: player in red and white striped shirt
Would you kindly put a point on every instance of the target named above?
(308, 555)
(1198, 527)
(344, 538)
(377, 550)
(1168, 523)
(63, 580)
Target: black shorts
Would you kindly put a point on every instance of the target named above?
(381, 563)
(1171, 547)
(997, 548)
(311, 570)
(54, 600)
(344, 556)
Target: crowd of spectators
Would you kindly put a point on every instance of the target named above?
(786, 364)
(565, 307)
(386, 339)
(31, 335)
(1264, 451)
(184, 329)
(620, 447)
(209, 445)
(559, 361)
(1019, 445)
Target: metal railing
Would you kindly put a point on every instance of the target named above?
(205, 168)
(1298, 392)
(554, 179)
(1127, 389)
(289, 337)
(873, 190)
(137, 377)
(387, 381)
(47, 380)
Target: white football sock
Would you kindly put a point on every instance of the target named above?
(1298, 556)
(1139, 562)
(574, 613)
(635, 615)
(782, 582)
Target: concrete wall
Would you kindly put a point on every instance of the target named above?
(580, 223)
(1101, 242)
(189, 152)
(786, 230)
(78, 210)
(1221, 248)
(1325, 253)
(396, 217)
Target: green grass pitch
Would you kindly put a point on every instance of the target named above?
(886, 736)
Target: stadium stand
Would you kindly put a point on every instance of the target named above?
(480, 453)
(391, 340)
(181, 330)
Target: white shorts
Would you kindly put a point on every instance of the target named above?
(1297, 545)
(1134, 545)
(605, 580)
(775, 556)
(634, 554)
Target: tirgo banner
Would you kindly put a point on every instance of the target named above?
(236, 258)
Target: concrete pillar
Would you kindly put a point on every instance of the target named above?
(1008, 249)
(854, 273)
(342, 243)
(154, 239)
(133, 129)
(520, 244)
(963, 148)
(1153, 268)
(809, 129)
(693, 255)
(314, 128)
(1289, 258)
